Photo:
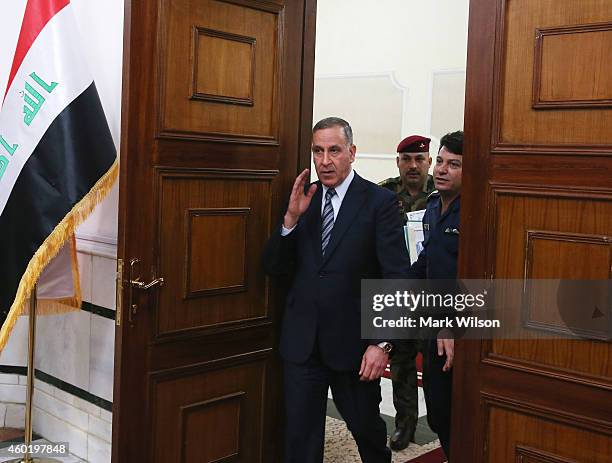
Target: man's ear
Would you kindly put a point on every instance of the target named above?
(353, 150)
(397, 161)
(429, 161)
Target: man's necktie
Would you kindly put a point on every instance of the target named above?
(327, 222)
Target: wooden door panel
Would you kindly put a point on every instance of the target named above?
(537, 204)
(207, 163)
(584, 84)
(213, 225)
(569, 175)
(539, 235)
(578, 360)
(574, 36)
(540, 438)
(216, 410)
(581, 224)
(221, 70)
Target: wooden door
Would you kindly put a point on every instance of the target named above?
(216, 117)
(537, 203)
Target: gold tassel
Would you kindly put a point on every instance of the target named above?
(51, 246)
(48, 306)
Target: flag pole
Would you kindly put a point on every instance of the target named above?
(27, 458)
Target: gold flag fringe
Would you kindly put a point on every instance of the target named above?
(48, 306)
(53, 244)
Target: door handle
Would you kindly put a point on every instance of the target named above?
(136, 283)
(142, 285)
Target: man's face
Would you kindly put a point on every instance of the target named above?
(332, 155)
(447, 172)
(413, 168)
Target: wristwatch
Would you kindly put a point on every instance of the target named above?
(385, 346)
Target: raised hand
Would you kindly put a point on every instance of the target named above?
(298, 201)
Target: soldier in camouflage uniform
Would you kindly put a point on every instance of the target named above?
(412, 188)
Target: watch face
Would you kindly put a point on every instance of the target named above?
(385, 346)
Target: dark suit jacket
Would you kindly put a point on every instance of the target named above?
(323, 304)
(438, 259)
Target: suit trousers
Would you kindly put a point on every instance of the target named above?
(306, 387)
(438, 389)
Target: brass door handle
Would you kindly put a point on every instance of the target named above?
(142, 285)
(136, 283)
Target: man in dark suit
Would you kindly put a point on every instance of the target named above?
(335, 232)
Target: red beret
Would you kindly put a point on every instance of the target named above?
(414, 144)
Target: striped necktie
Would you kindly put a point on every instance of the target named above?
(327, 222)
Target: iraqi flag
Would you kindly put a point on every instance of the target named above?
(57, 157)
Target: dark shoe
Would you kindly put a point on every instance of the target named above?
(400, 439)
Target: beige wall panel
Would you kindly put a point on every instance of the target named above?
(447, 103)
(373, 105)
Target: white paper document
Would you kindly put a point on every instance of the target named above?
(413, 233)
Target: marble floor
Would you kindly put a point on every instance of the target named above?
(340, 447)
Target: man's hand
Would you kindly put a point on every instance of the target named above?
(373, 363)
(447, 346)
(298, 201)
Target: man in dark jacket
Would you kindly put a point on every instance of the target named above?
(335, 232)
(438, 261)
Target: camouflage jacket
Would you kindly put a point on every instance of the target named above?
(407, 202)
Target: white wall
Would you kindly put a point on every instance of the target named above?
(421, 47)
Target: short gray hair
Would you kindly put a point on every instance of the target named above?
(330, 122)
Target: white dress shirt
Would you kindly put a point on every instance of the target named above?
(336, 200)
